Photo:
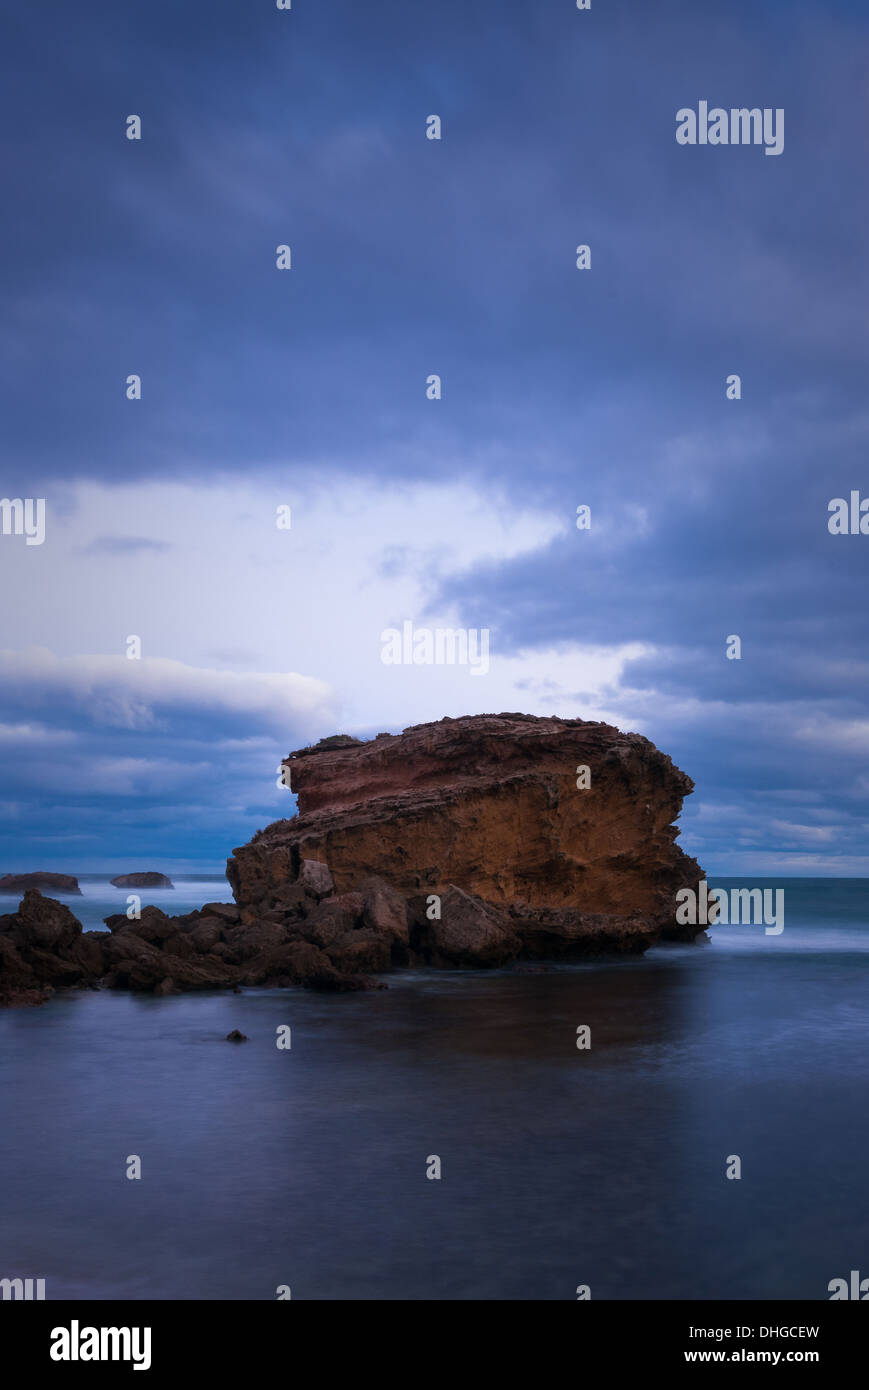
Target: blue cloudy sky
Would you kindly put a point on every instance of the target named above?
(307, 388)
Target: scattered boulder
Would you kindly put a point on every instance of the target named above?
(41, 947)
(227, 912)
(328, 923)
(45, 922)
(153, 925)
(561, 934)
(315, 878)
(385, 911)
(469, 931)
(364, 951)
(206, 934)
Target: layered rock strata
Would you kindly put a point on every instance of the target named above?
(535, 836)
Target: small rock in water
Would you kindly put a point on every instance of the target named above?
(235, 1036)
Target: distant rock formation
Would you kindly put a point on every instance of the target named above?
(143, 880)
(19, 883)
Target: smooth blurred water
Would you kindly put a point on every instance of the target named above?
(99, 899)
(560, 1167)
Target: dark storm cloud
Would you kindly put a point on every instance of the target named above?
(412, 257)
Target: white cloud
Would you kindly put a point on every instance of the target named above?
(801, 834)
(572, 680)
(17, 735)
(774, 863)
(313, 599)
(840, 735)
(130, 694)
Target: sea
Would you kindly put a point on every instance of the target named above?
(446, 1138)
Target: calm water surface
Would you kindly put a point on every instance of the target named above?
(560, 1167)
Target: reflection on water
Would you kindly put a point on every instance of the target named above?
(560, 1167)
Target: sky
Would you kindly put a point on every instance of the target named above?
(306, 389)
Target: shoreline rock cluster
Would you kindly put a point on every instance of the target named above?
(43, 947)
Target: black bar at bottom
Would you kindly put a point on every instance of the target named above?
(252, 1340)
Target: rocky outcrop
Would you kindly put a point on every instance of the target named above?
(19, 883)
(470, 842)
(142, 880)
(505, 836)
(43, 947)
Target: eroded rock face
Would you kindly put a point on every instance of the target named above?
(489, 806)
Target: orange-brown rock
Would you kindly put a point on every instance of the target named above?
(487, 805)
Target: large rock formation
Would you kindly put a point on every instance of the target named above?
(489, 814)
(19, 883)
(469, 842)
